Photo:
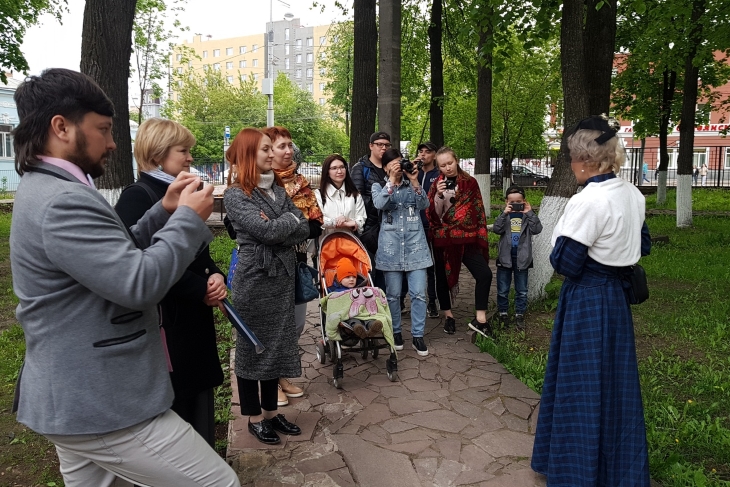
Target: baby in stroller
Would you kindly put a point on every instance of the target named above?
(356, 306)
(363, 322)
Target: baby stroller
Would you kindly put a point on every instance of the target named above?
(333, 247)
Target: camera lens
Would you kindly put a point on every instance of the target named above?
(406, 166)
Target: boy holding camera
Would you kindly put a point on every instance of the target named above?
(516, 225)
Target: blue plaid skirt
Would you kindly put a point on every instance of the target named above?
(590, 430)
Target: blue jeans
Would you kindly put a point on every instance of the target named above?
(417, 290)
(504, 281)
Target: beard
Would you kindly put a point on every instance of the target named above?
(81, 157)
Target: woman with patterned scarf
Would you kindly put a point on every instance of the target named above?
(458, 230)
(298, 189)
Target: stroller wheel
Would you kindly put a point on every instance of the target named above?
(337, 383)
(364, 346)
(321, 354)
(375, 348)
(392, 375)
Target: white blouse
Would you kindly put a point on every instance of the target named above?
(338, 204)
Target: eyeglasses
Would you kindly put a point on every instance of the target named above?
(337, 168)
(387, 145)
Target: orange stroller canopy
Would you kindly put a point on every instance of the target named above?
(338, 245)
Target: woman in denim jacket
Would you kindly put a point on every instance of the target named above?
(402, 246)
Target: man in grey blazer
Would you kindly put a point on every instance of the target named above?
(95, 379)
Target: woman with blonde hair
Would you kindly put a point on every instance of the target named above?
(298, 189)
(267, 225)
(591, 429)
(162, 150)
(458, 228)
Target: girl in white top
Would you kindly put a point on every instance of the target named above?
(341, 204)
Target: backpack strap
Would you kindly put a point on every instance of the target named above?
(148, 189)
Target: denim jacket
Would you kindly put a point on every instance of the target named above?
(402, 242)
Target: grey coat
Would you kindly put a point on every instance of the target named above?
(263, 285)
(94, 360)
(530, 226)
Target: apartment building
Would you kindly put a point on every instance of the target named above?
(287, 46)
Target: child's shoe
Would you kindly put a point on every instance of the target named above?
(520, 322)
(375, 328)
(360, 330)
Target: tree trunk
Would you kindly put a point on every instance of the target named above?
(562, 182)
(600, 24)
(687, 120)
(389, 70)
(484, 115)
(106, 46)
(668, 87)
(364, 82)
(436, 110)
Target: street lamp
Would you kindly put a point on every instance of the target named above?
(268, 84)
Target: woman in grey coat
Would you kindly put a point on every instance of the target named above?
(267, 225)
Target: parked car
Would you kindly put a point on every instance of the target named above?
(522, 176)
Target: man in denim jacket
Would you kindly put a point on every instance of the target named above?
(402, 245)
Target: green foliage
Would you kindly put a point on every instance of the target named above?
(208, 102)
(151, 44)
(522, 91)
(656, 37)
(18, 16)
(338, 65)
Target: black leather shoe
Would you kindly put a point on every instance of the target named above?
(264, 432)
(280, 424)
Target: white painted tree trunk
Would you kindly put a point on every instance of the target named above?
(551, 209)
(661, 192)
(484, 181)
(111, 195)
(684, 200)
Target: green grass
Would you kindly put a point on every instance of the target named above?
(26, 458)
(683, 346)
(220, 251)
(704, 199)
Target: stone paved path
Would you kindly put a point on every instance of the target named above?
(456, 417)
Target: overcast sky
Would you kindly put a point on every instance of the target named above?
(50, 44)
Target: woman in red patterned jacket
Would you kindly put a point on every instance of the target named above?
(458, 231)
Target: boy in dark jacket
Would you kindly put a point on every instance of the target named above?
(516, 225)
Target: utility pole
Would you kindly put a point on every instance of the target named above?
(267, 87)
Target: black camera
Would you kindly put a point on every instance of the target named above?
(450, 184)
(518, 206)
(408, 166)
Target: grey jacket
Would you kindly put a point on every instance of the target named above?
(530, 226)
(94, 360)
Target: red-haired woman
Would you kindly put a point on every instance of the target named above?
(298, 189)
(267, 226)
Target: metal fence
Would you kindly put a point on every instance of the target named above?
(532, 168)
(9, 181)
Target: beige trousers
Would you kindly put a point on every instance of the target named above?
(161, 452)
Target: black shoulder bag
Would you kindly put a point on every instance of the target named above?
(639, 290)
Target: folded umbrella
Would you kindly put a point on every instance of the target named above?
(242, 327)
